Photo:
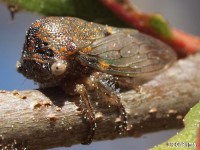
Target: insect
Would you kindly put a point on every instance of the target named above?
(81, 56)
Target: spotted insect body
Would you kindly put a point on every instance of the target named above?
(79, 56)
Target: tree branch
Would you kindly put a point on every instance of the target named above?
(47, 118)
(156, 25)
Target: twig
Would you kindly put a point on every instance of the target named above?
(40, 119)
(155, 25)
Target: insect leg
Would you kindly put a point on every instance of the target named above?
(86, 109)
(106, 85)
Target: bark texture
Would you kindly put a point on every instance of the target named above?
(47, 118)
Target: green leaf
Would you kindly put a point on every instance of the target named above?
(185, 139)
(90, 10)
(160, 25)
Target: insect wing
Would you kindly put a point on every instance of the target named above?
(128, 54)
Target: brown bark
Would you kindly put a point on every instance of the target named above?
(40, 119)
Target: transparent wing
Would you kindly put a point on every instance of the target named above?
(128, 54)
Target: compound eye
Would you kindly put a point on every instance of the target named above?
(58, 68)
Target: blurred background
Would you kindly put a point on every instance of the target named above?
(182, 14)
